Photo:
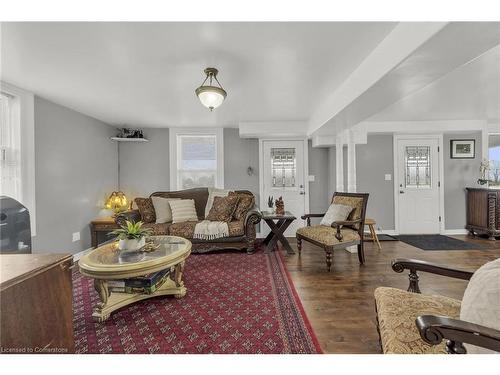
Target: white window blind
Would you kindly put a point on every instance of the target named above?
(10, 149)
(196, 160)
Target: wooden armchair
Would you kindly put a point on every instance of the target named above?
(340, 234)
(412, 323)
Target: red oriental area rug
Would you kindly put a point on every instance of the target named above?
(236, 303)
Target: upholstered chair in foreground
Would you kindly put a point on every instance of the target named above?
(341, 226)
(414, 323)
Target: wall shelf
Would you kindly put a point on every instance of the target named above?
(120, 139)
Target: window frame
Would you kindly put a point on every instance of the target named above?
(174, 152)
(24, 112)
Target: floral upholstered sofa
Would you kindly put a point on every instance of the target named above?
(242, 232)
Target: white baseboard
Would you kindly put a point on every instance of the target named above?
(390, 232)
(456, 231)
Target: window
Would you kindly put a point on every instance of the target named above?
(494, 157)
(10, 149)
(196, 158)
(17, 147)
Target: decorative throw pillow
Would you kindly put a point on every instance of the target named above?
(183, 210)
(162, 209)
(481, 302)
(223, 208)
(212, 193)
(146, 209)
(336, 212)
(245, 203)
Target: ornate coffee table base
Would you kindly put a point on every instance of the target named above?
(113, 301)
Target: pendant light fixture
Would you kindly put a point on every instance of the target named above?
(211, 96)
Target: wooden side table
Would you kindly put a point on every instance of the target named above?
(101, 224)
(277, 230)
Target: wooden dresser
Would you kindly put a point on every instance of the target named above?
(483, 211)
(36, 312)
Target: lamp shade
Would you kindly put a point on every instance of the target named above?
(211, 96)
(117, 202)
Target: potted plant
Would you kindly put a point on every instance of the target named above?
(131, 236)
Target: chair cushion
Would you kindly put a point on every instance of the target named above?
(326, 235)
(186, 229)
(336, 212)
(481, 302)
(183, 210)
(160, 229)
(397, 311)
(223, 208)
(356, 202)
(146, 209)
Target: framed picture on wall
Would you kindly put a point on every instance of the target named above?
(463, 148)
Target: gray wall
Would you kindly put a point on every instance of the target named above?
(75, 166)
(239, 154)
(373, 161)
(319, 196)
(144, 166)
(459, 174)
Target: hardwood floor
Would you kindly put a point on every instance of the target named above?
(340, 304)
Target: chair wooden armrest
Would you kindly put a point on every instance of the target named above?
(433, 329)
(309, 216)
(414, 265)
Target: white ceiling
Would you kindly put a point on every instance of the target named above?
(470, 92)
(145, 74)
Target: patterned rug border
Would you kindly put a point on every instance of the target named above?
(295, 294)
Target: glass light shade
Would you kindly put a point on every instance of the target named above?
(211, 96)
(117, 202)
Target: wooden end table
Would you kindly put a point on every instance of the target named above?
(101, 224)
(107, 262)
(277, 230)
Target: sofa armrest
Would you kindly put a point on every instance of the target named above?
(130, 215)
(434, 329)
(252, 218)
(414, 265)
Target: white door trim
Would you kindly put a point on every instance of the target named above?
(262, 200)
(439, 137)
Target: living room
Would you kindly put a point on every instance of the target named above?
(250, 187)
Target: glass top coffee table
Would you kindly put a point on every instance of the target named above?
(107, 263)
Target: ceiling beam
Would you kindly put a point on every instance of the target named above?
(395, 47)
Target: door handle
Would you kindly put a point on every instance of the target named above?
(401, 192)
(302, 193)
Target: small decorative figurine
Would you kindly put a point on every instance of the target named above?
(280, 206)
(484, 171)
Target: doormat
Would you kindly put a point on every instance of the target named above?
(438, 242)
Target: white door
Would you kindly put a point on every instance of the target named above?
(283, 176)
(418, 185)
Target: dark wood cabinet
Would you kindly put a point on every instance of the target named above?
(36, 312)
(483, 212)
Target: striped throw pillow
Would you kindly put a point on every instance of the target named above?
(183, 210)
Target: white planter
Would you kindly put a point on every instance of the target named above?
(131, 244)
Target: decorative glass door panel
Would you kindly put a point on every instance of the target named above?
(418, 167)
(283, 167)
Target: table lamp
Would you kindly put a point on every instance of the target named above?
(117, 202)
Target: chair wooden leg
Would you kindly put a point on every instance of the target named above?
(329, 260)
(361, 253)
(299, 245)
